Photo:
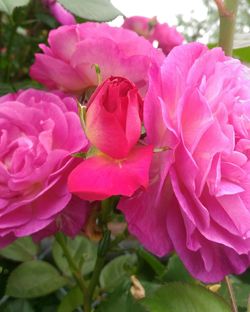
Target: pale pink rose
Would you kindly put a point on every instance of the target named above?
(57, 10)
(197, 109)
(167, 37)
(117, 165)
(39, 132)
(69, 62)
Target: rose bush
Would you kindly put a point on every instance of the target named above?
(167, 37)
(70, 67)
(117, 164)
(197, 202)
(39, 132)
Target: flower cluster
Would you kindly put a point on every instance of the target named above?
(168, 134)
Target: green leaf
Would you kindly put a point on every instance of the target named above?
(23, 249)
(71, 301)
(176, 271)
(120, 300)
(34, 279)
(94, 10)
(183, 297)
(8, 88)
(46, 19)
(5, 88)
(7, 267)
(117, 270)
(212, 45)
(19, 305)
(82, 250)
(150, 287)
(8, 6)
(155, 264)
(242, 54)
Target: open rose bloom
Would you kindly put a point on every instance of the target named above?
(68, 63)
(197, 113)
(39, 132)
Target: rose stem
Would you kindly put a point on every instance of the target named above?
(227, 12)
(74, 270)
(231, 294)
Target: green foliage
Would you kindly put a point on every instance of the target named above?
(117, 271)
(71, 301)
(242, 47)
(34, 279)
(23, 249)
(241, 291)
(243, 54)
(6, 268)
(154, 263)
(83, 252)
(18, 305)
(95, 10)
(183, 297)
(120, 300)
(20, 35)
(8, 6)
(176, 271)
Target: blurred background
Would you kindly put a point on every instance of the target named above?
(196, 19)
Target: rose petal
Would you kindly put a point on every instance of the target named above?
(100, 177)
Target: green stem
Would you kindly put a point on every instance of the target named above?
(95, 277)
(107, 207)
(75, 271)
(103, 247)
(228, 12)
(231, 294)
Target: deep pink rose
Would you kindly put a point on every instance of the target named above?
(57, 10)
(166, 36)
(70, 67)
(118, 165)
(198, 110)
(39, 132)
(71, 220)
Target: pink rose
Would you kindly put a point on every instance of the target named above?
(117, 165)
(70, 67)
(39, 132)
(61, 15)
(166, 36)
(197, 112)
(71, 220)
